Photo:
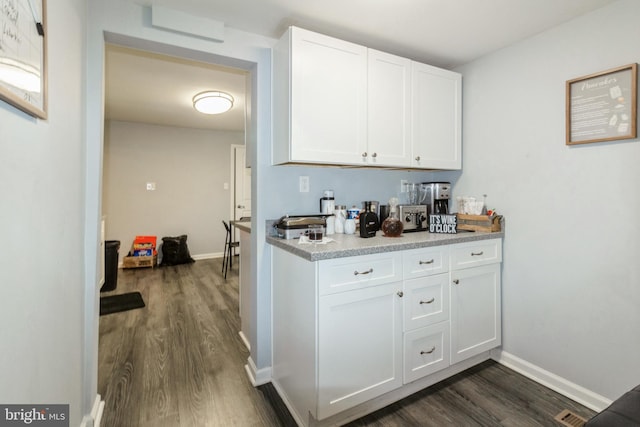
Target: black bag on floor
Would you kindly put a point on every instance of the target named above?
(175, 251)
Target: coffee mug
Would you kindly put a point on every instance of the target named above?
(315, 233)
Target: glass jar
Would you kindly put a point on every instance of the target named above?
(392, 226)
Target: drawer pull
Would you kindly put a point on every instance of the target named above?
(428, 352)
(426, 262)
(355, 273)
(456, 281)
(428, 302)
(400, 294)
(477, 253)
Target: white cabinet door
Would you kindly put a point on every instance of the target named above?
(475, 311)
(389, 104)
(436, 117)
(359, 346)
(328, 99)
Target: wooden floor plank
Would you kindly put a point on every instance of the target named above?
(179, 362)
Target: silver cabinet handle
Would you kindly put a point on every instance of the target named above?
(374, 155)
(456, 281)
(364, 154)
(428, 302)
(430, 351)
(426, 262)
(355, 273)
(477, 253)
(417, 158)
(400, 294)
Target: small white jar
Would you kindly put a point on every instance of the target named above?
(350, 226)
(331, 221)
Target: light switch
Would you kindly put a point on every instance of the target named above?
(304, 184)
(151, 186)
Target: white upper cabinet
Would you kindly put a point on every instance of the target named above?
(436, 117)
(339, 103)
(320, 88)
(389, 110)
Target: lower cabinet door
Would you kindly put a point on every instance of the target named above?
(426, 350)
(475, 311)
(359, 346)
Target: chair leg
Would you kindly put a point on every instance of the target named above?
(227, 260)
(224, 258)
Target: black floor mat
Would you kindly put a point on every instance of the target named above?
(122, 302)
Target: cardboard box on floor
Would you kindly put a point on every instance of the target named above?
(142, 254)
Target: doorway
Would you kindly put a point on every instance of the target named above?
(151, 162)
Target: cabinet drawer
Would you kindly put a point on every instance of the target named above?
(426, 301)
(424, 262)
(426, 351)
(345, 274)
(473, 254)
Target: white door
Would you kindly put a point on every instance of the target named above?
(328, 99)
(359, 346)
(388, 109)
(436, 117)
(242, 186)
(475, 311)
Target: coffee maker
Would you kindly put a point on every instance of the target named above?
(436, 196)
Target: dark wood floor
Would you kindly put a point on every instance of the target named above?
(180, 362)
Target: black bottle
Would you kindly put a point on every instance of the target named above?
(369, 222)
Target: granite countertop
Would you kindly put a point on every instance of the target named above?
(345, 245)
(243, 224)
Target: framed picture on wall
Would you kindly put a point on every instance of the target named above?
(602, 106)
(23, 55)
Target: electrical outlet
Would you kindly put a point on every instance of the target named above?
(403, 185)
(151, 186)
(304, 184)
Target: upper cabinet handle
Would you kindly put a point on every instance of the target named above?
(477, 253)
(364, 154)
(374, 155)
(426, 262)
(355, 273)
(417, 158)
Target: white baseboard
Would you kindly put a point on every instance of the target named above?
(257, 376)
(208, 256)
(548, 379)
(245, 340)
(95, 417)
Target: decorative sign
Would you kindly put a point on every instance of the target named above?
(444, 224)
(602, 106)
(23, 55)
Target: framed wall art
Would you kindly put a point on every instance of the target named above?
(23, 55)
(602, 106)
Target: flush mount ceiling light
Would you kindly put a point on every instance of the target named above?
(212, 102)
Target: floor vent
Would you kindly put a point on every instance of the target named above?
(568, 418)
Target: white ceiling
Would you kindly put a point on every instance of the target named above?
(446, 33)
